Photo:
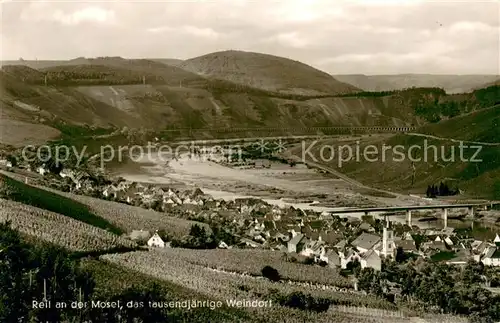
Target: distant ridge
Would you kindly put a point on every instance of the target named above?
(450, 83)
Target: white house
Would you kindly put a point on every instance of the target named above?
(156, 241)
(371, 259)
(42, 170)
(168, 201)
(491, 257)
(365, 242)
(347, 257)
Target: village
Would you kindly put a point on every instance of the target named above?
(305, 236)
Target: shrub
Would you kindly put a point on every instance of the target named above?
(271, 273)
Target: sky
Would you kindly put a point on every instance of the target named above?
(336, 36)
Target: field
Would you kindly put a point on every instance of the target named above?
(251, 262)
(227, 285)
(19, 133)
(174, 268)
(476, 178)
(59, 229)
(128, 218)
(111, 276)
(12, 189)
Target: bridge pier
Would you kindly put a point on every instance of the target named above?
(408, 217)
(471, 212)
(445, 218)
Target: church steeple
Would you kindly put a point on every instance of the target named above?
(497, 241)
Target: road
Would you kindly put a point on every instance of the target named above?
(453, 140)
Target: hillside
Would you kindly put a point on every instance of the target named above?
(168, 61)
(478, 177)
(266, 72)
(450, 83)
(91, 99)
(121, 67)
(114, 217)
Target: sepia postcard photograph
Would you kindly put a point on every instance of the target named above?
(254, 161)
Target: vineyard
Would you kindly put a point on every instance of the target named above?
(59, 229)
(210, 283)
(252, 262)
(51, 200)
(113, 276)
(128, 218)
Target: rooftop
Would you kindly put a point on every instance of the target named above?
(366, 240)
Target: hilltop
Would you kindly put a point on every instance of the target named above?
(168, 61)
(266, 72)
(450, 83)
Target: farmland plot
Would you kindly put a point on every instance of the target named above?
(129, 218)
(59, 229)
(252, 262)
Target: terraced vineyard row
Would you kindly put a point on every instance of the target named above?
(59, 229)
(225, 286)
(252, 262)
(129, 218)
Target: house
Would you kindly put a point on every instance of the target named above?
(197, 193)
(434, 246)
(491, 256)
(365, 242)
(111, 191)
(366, 227)
(371, 259)
(156, 241)
(333, 258)
(296, 243)
(314, 249)
(223, 245)
(42, 170)
(407, 236)
(408, 246)
(346, 256)
(330, 237)
(66, 173)
(168, 201)
(479, 247)
(341, 245)
(249, 243)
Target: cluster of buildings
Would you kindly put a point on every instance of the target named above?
(301, 234)
(165, 197)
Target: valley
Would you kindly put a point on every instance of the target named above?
(250, 208)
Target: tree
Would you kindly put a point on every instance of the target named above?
(354, 267)
(400, 255)
(271, 273)
(12, 159)
(14, 290)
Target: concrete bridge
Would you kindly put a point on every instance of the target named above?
(335, 129)
(408, 209)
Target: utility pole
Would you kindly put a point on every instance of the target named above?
(45, 80)
(45, 289)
